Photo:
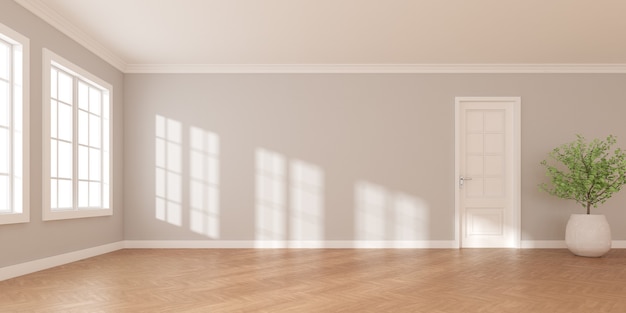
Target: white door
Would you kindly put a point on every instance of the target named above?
(488, 172)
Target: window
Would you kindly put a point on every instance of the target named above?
(77, 146)
(14, 158)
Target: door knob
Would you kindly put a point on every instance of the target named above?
(462, 180)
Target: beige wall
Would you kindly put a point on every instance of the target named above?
(37, 239)
(392, 132)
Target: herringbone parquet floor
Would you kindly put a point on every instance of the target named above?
(326, 280)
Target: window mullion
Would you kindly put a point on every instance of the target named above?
(74, 143)
(87, 146)
(56, 166)
(57, 178)
(102, 106)
(11, 131)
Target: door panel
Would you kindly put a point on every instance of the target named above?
(485, 221)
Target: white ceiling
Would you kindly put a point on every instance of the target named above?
(144, 33)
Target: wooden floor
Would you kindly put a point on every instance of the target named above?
(327, 280)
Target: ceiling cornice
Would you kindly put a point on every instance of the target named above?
(39, 8)
(380, 68)
(43, 11)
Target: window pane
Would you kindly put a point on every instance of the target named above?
(17, 154)
(105, 196)
(105, 168)
(4, 60)
(53, 119)
(53, 83)
(4, 194)
(66, 88)
(83, 163)
(65, 122)
(17, 108)
(105, 105)
(4, 103)
(95, 100)
(83, 96)
(4, 151)
(83, 127)
(65, 194)
(95, 166)
(83, 194)
(53, 158)
(53, 194)
(94, 131)
(95, 193)
(105, 136)
(18, 60)
(17, 196)
(65, 160)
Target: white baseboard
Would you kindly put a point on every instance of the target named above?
(57, 260)
(543, 244)
(329, 244)
(560, 244)
(618, 244)
(187, 244)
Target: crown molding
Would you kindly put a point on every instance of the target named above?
(378, 68)
(43, 11)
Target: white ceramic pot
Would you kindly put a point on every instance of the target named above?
(588, 235)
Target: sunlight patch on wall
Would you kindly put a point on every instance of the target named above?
(411, 217)
(371, 217)
(381, 214)
(168, 175)
(204, 214)
(280, 182)
(270, 196)
(307, 202)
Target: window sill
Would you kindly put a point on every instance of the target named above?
(49, 215)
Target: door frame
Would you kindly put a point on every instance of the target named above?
(516, 166)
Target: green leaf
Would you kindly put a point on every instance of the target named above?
(587, 172)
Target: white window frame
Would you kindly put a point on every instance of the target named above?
(20, 49)
(51, 59)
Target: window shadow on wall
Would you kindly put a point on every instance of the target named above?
(382, 214)
(197, 181)
(289, 200)
(307, 201)
(168, 166)
(204, 213)
(271, 209)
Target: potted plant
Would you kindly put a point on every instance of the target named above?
(589, 173)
